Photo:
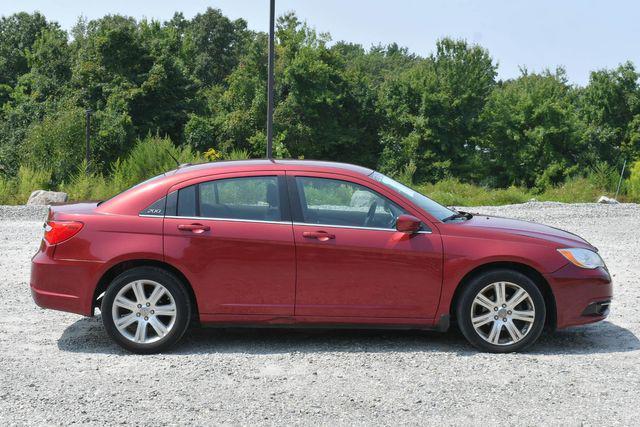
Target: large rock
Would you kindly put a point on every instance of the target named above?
(608, 200)
(44, 197)
(360, 199)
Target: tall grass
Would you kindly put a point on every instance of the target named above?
(150, 156)
(154, 155)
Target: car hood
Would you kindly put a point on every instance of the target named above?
(528, 229)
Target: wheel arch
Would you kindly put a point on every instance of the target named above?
(123, 266)
(530, 272)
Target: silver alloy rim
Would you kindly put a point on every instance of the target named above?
(502, 313)
(144, 311)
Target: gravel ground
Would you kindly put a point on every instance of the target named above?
(58, 368)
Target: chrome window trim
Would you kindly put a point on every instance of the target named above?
(206, 218)
(354, 227)
(200, 218)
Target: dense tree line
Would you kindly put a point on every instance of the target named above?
(201, 82)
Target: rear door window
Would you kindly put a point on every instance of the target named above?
(249, 198)
(255, 198)
(187, 201)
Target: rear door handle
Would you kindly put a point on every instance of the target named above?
(194, 228)
(322, 236)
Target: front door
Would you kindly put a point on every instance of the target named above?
(351, 262)
(232, 237)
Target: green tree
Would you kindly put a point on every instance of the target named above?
(610, 109)
(531, 132)
(431, 112)
(212, 45)
(49, 62)
(18, 33)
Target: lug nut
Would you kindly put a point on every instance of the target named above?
(495, 308)
(138, 314)
(146, 318)
(504, 305)
(504, 319)
(154, 312)
(139, 305)
(148, 304)
(508, 312)
(495, 317)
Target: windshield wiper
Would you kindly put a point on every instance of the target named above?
(458, 215)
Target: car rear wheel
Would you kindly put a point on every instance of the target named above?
(501, 311)
(146, 310)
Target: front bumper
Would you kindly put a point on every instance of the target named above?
(65, 285)
(582, 296)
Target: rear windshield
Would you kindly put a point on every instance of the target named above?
(131, 188)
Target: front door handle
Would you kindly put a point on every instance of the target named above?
(322, 236)
(194, 228)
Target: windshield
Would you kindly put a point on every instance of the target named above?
(421, 201)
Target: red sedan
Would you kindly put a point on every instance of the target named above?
(309, 243)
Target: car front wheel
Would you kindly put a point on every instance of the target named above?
(146, 310)
(501, 311)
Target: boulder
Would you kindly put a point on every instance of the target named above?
(44, 197)
(361, 199)
(607, 200)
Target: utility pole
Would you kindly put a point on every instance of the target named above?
(87, 139)
(270, 80)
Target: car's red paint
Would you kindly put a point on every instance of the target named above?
(408, 224)
(367, 273)
(286, 272)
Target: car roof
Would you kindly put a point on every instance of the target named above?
(265, 164)
(145, 193)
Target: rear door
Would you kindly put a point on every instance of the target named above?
(232, 236)
(351, 262)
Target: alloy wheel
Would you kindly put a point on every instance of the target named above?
(144, 311)
(502, 313)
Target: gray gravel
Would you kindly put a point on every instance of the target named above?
(58, 368)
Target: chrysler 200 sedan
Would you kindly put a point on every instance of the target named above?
(309, 243)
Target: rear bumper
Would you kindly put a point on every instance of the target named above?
(65, 285)
(582, 296)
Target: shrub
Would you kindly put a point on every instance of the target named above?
(150, 156)
(88, 187)
(7, 191)
(575, 190)
(604, 177)
(452, 192)
(407, 173)
(57, 143)
(212, 155)
(237, 154)
(633, 183)
(29, 180)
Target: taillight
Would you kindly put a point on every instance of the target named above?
(58, 231)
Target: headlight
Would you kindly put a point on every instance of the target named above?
(583, 258)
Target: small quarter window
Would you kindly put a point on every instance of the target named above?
(156, 209)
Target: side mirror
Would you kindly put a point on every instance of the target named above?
(408, 224)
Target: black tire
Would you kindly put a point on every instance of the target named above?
(176, 290)
(480, 283)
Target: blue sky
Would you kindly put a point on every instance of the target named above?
(580, 35)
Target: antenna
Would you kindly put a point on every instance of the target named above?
(270, 80)
(171, 155)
